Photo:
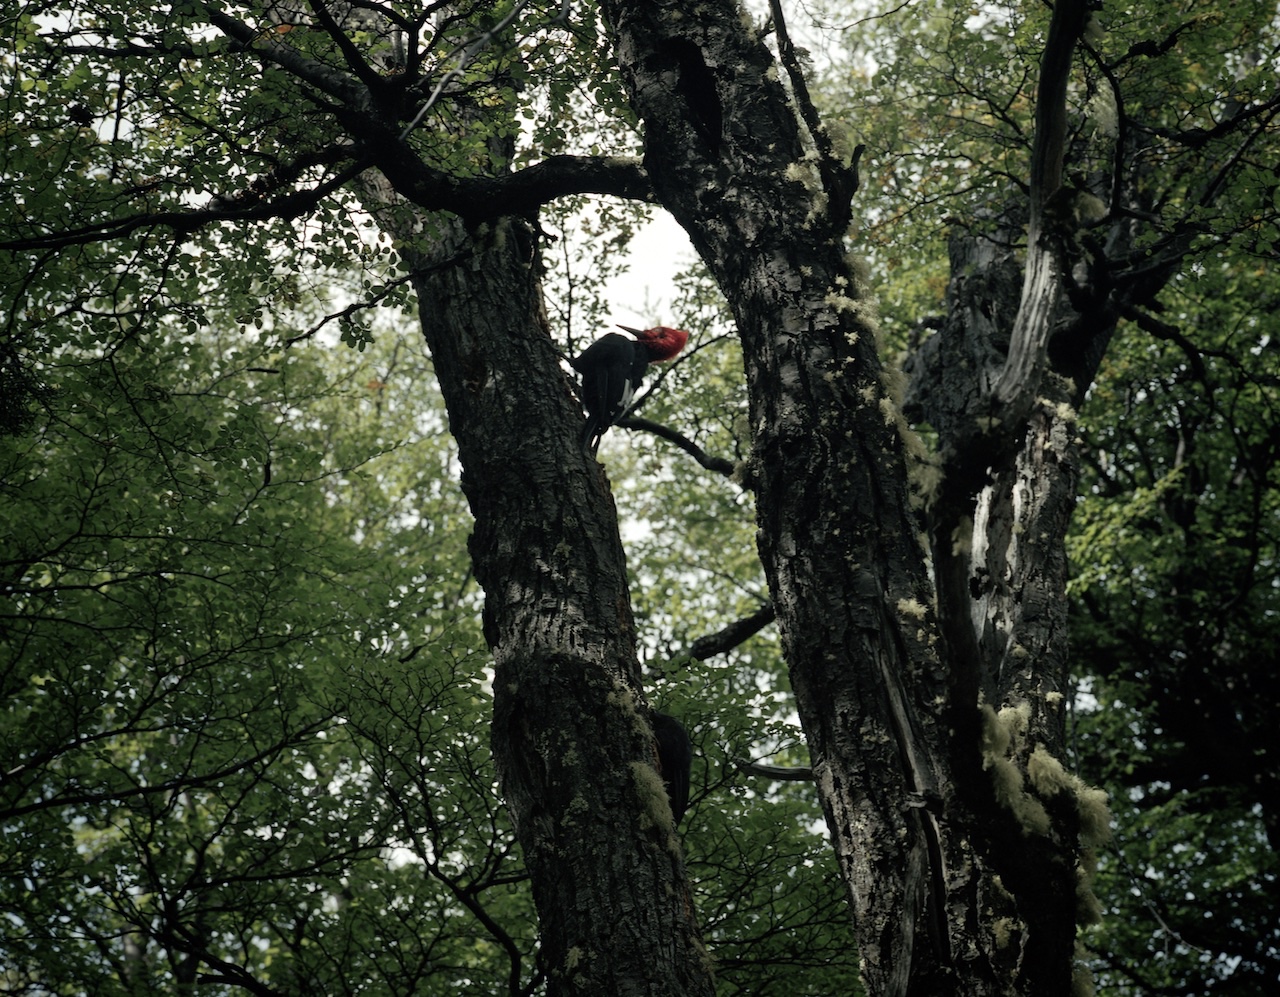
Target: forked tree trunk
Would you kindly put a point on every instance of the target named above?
(935, 747)
(933, 713)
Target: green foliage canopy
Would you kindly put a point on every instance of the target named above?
(244, 697)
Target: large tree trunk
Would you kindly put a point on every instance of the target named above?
(570, 734)
(962, 871)
(571, 731)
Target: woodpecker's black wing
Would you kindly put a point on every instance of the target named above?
(675, 757)
(612, 368)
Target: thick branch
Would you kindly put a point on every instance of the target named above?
(323, 78)
(478, 198)
(1049, 145)
(838, 181)
(351, 53)
(779, 773)
(1163, 330)
(471, 197)
(732, 635)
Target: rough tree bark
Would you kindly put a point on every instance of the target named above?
(571, 729)
(935, 727)
(570, 732)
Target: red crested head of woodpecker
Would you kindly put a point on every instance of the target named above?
(612, 368)
(662, 342)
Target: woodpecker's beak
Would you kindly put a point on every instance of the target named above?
(627, 328)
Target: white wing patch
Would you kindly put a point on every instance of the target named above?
(628, 390)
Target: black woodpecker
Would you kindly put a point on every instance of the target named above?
(675, 759)
(612, 368)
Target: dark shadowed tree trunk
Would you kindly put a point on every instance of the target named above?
(935, 747)
(571, 729)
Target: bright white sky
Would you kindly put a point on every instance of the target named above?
(642, 296)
